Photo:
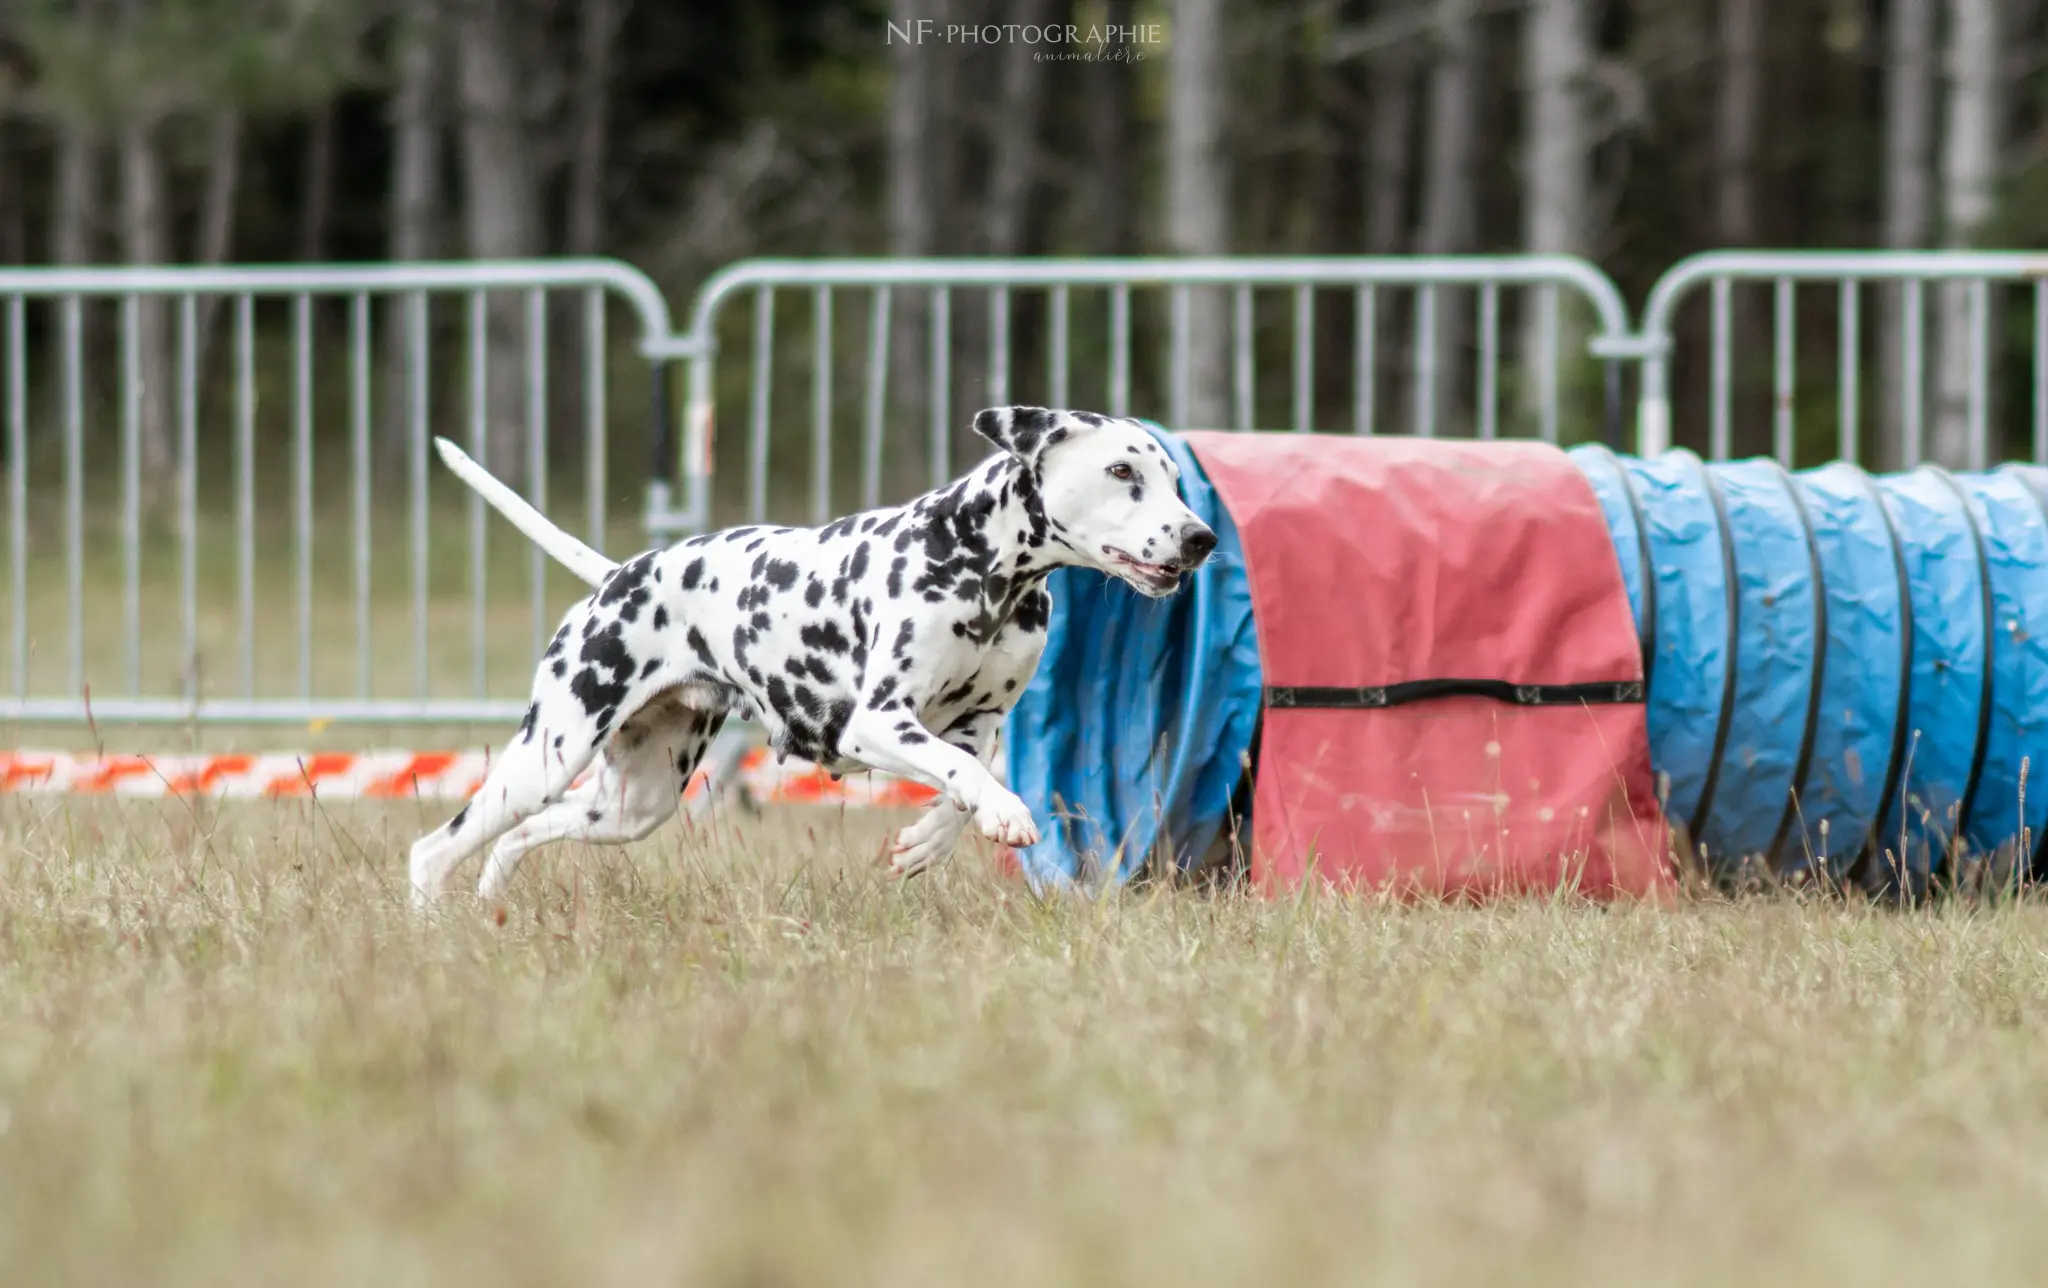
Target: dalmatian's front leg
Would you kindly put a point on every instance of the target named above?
(934, 835)
(890, 739)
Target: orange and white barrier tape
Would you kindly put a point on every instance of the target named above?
(384, 775)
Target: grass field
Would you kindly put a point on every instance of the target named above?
(229, 1055)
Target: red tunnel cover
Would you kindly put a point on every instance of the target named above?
(1376, 561)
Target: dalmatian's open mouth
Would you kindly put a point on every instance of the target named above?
(1153, 579)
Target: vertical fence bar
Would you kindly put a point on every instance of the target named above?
(1364, 359)
(596, 436)
(1425, 362)
(245, 485)
(1180, 376)
(1913, 397)
(757, 405)
(1243, 368)
(821, 405)
(1549, 386)
(1304, 359)
(537, 448)
(2041, 372)
(1782, 376)
(1849, 373)
(74, 485)
(359, 358)
(302, 480)
(1058, 357)
(1120, 350)
(942, 385)
(17, 485)
(877, 401)
(477, 324)
(1720, 431)
(188, 493)
(1489, 361)
(999, 346)
(700, 407)
(131, 493)
(421, 339)
(1613, 418)
(1980, 374)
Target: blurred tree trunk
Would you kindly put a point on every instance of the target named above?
(1113, 220)
(417, 125)
(501, 205)
(317, 184)
(1015, 137)
(217, 211)
(1908, 196)
(590, 126)
(912, 227)
(13, 207)
(1338, 156)
(1390, 169)
(598, 32)
(1447, 195)
(1734, 197)
(1013, 161)
(223, 180)
(145, 237)
(1735, 118)
(1558, 158)
(75, 203)
(910, 131)
(77, 196)
(1970, 173)
(1198, 195)
(1389, 148)
(1449, 212)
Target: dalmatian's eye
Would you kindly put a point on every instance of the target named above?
(1122, 472)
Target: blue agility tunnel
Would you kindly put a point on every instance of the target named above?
(1843, 670)
(1841, 665)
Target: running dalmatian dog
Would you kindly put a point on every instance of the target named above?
(894, 640)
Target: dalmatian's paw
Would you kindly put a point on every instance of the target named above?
(919, 856)
(928, 840)
(1002, 817)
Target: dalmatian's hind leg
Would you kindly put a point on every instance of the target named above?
(537, 766)
(634, 789)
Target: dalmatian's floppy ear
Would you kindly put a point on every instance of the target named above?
(1023, 432)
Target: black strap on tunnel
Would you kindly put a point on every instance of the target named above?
(1645, 571)
(1902, 722)
(2040, 854)
(1990, 612)
(1372, 697)
(1803, 763)
(1731, 577)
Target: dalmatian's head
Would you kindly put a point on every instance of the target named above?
(1111, 493)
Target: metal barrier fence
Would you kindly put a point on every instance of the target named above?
(164, 549)
(1961, 400)
(1202, 335)
(167, 528)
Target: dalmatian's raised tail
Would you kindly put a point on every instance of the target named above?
(566, 550)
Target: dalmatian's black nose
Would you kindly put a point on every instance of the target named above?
(1196, 541)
